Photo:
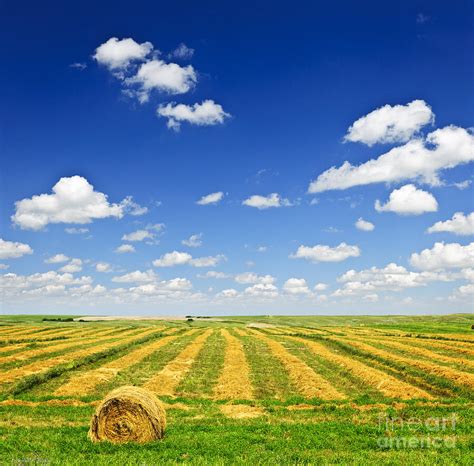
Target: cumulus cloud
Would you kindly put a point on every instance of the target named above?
(124, 248)
(323, 253)
(459, 224)
(364, 225)
(57, 259)
(116, 54)
(136, 277)
(408, 200)
(389, 124)
(74, 265)
(250, 278)
(158, 75)
(103, 267)
(73, 200)
(418, 159)
(174, 258)
(207, 113)
(227, 293)
(320, 286)
(13, 250)
(262, 291)
(214, 274)
(296, 286)
(266, 202)
(212, 198)
(444, 256)
(194, 241)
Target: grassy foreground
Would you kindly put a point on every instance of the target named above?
(44, 416)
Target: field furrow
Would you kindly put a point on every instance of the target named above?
(456, 376)
(85, 383)
(166, 381)
(306, 380)
(234, 381)
(383, 382)
(43, 365)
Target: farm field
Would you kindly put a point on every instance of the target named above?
(265, 390)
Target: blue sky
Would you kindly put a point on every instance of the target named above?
(141, 111)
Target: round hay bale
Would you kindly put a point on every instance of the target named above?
(128, 414)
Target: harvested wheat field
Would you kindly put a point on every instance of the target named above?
(249, 390)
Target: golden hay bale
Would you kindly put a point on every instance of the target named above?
(128, 414)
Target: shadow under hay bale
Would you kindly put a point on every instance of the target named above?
(128, 414)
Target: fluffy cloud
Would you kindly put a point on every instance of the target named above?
(459, 224)
(73, 201)
(390, 124)
(136, 277)
(228, 293)
(174, 258)
(103, 267)
(408, 200)
(364, 225)
(165, 77)
(266, 202)
(212, 198)
(250, 277)
(124, 248)
(444, 256)
(416, 160)
(116, 54)
(13, 250)
(194, 241)
(57, 259)
(296, 286)
(138, 235)
(320, 287)
(74, 265)
(323, 253)
(214, 274)
(261, 290)
(207, 113)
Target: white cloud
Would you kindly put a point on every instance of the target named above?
(139, 235)
(124, 248)
(444, 256)
(323, 253)
(209, 261)
(250, 277)
(408, 200)
(212, 198)
(74, 265)
(463, 184)
(76, 231)
(417, 160)
(296, 286)
(73, 201)
(261, 290)
(57, 259)
(170, 259)
(194, 241)
(158, 75)
(320, 286)
(364, 225)
(4, 266)
(132, 208)
(182, 52)
(266, 202)
(207, 113)
(459, 224)
(116, 54)
(78, 66)
(390, 124)
(228, 293)
(13, 250)
(136, 277)
(103, 267)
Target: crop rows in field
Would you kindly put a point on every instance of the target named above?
(236, 363)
